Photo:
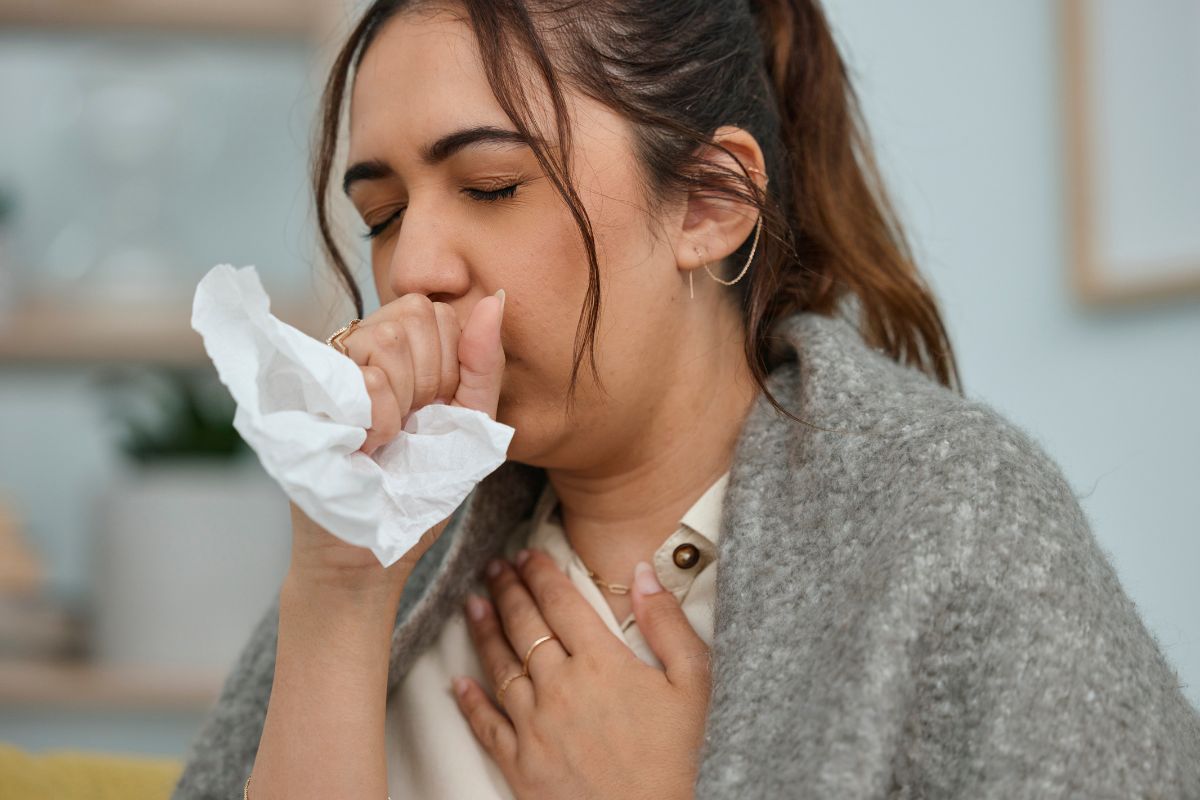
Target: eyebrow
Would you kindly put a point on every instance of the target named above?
(436, 152)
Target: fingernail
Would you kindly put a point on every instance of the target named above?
(460, 686)
(494, 567)
(644, 579)
(500, 294)
(475, 608)
(521, 557)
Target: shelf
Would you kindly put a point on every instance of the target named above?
(46, 685)
(49, 333)
(284, 18)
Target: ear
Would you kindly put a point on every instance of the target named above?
(714, 227)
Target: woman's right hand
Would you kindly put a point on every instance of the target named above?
(412, 352)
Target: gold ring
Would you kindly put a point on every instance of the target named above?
(503, 686)
(335, 338)
(529, 652)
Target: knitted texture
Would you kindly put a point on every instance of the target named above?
(910, 604)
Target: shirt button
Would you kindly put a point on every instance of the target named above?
(686, 556)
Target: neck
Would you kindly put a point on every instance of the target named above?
(616, 515)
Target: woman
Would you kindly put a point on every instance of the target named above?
(909, 602)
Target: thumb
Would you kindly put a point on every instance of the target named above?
(667, 629)
(481, 357)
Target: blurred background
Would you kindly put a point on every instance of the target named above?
(1045, 155)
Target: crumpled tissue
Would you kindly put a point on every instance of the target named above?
(303, 407)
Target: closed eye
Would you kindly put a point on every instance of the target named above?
(483, 196)
(495, 194)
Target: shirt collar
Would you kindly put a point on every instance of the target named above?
(704, 516)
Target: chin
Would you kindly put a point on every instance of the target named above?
(523, 444)
(518, 448)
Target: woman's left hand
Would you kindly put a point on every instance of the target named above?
(591, 719)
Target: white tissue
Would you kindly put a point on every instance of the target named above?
(304, 409)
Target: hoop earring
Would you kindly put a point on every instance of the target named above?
(753, 248)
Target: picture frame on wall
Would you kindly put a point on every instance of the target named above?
(1132, 149)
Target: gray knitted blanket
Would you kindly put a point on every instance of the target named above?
(910, 604)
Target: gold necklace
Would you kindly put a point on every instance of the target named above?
(615, 588)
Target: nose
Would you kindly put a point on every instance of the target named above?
(426, 258)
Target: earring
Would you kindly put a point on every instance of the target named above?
(753, 247)
(729, 283)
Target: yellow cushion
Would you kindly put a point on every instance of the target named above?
(68, 774)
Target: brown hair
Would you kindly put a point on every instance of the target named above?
(678, 70)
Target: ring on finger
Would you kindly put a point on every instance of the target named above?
(529, 652)
(504, 686)
(335, 338)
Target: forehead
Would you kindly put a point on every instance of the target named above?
(421, 76)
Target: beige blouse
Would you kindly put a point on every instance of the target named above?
(431, 751)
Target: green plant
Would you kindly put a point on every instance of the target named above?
(171, 413)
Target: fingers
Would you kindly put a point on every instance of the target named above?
(449, 331)
(385, 412)
(386, 346)
(667, 630)
(426, 356)
(521, 619)
(497, 657)
(406, 344)
(481, 357)
(424, 348)
(565, 610)
(492, 730)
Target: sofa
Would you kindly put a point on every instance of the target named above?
(76, 775)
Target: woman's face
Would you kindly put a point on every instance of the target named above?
(465, 232)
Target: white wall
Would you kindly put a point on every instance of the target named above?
(965, 101)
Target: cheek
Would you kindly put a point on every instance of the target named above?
(538, 335)
(546, 285)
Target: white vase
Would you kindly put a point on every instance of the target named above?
(187, 558)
